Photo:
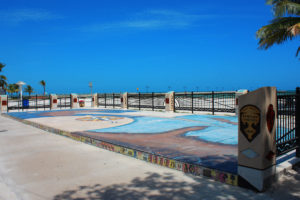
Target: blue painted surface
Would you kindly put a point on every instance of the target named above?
(217, 131)
(220, 132)
(150, 125)
(28, 115)
(38, 114)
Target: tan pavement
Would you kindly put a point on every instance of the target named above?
(36, 165)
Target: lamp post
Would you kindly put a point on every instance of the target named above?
(91, 86)
(20, 84)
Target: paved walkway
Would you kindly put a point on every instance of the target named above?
(37, 165)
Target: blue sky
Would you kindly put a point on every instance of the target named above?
(123, 45)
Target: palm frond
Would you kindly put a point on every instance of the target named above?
(2, 77)
(295, 29)
(42, 82)
(285, 7)
(1, 66)
(298, 51)
(280, 30)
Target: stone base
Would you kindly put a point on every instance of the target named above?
(256, 179)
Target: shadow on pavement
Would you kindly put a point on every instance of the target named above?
(156, 186)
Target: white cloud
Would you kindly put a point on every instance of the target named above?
(152, 19)
(22, 15)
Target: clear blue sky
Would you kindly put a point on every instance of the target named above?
(123, 45)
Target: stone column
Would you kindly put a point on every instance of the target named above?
(237, 95)
(74, 101)
(169, 102)
(95, 100)
(124, 100)
(3, 103)
(256, 139)
(53, 101)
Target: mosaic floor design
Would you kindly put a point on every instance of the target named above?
(206, 140)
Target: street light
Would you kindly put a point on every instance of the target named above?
(91, 86)
(20, 84)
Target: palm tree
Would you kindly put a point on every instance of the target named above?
(43, 83)
(12, 88)
(1, 66)
(29, 89)
(3, 83)
(285, 26)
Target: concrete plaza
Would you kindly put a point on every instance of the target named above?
(37, 165)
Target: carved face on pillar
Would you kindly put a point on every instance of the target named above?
(250, 122)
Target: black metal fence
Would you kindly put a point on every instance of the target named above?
(146, 100)
(64, 101)
(206, 101)
(288, 114)
(28, 102)
(109, 100)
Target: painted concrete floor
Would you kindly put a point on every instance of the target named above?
(206, 140)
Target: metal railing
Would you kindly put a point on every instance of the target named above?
(64, 101)
(152, 100)
(28, 102)
(287, 131)
(109, 99)
(205, 101)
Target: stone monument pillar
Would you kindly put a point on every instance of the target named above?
(94, 100)
(53, 101)
(124, 100)
(169, 102)
(256, 138)
(237, 94)
(74, 101)
(3, 103)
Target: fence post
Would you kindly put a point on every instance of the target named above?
(22, 103)
(104, 100)
(53, 101)
(152, 101)
(139, 101)
(169, 101)
(174, 102)
(36, 106)
(213, 102)
(113, 95)
(297, 120)
(257, 138)
(3, 103)
(94, 100)
(192, 102)
(124, 100)
(44, 98)
(74, 101)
